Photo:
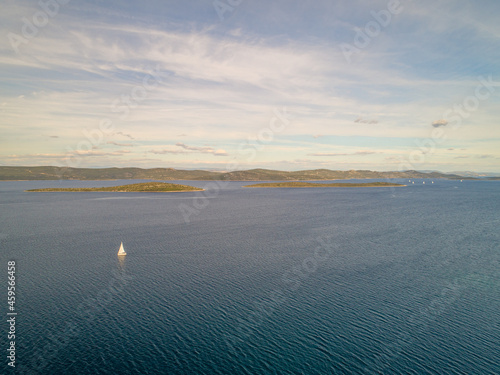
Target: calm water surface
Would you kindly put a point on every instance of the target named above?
(260, 281)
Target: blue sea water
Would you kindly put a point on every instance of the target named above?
(254, 281)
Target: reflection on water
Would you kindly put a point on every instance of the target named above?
(121, 263)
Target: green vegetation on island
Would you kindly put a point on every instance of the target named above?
(300, 184)
(145, 187)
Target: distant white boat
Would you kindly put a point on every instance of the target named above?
(122, 250)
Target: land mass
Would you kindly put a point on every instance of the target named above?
(145, 187)
(296, 184)
(66, 173)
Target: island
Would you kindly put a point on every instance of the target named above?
(145, 187)
(300, 184)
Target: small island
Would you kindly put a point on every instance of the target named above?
(300, 184)
(145, 187)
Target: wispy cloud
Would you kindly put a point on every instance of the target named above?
(120, 144)
(166, 151)
(185, 149)
(203, 150)
(358, 153)
(439, 123)
(483, 156)
(220, 82)
(125, 135)
(102, 153)
(62, 156)
(365, 121)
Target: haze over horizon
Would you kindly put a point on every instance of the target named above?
(234, 84)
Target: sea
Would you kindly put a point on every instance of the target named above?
(238, 280)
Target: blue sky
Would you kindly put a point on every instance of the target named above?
(381, 85)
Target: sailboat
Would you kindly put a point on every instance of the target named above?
(122, 250)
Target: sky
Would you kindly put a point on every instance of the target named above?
(239, 84)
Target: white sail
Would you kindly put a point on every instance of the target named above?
(122, 250)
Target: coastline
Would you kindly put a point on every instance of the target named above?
(144, 187)
(105, 191)
(306, 187)
(299, 184)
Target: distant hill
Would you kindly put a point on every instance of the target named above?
(66, 173)
(327, 174)
(478, 174)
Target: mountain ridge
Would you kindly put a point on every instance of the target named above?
(26, 173)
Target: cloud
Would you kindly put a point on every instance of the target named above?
(185, 149)
(220, 152)
(53, 136)
(364, 121)
(236, 32)
(361, 153)
(219, 85)
(62, 156)
(439, 123)
(120, 144)
(393, 159)
(484, 156)
(203, 150)
(125, 135)
(165, 151)
(100, 153)
(37, 156)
